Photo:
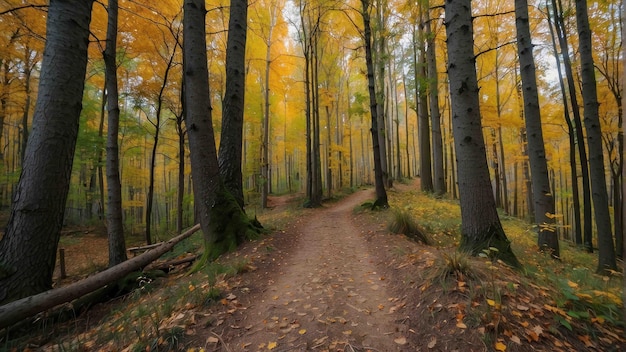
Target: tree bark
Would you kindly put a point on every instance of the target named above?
(439, 178)
(426, 173)
(115, 228)
(548, 239)
(381, 193)
(223, 221)
(26, 307)
(378, 51)
(480, 225)
(231, 142)
(39, 203)
(578, 238)
(623, 127)
(591, 119)
(157, 132)
(580, 138)
(265, 162)
(180, 195)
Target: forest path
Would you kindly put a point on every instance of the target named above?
(325, 293)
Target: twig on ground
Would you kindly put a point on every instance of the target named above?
(219, 337)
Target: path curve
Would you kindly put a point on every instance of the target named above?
(328, 294)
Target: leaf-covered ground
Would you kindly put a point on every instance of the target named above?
(335, 279)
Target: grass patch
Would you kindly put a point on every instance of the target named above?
(440, 218)
(402, 222)
(574, 294)
(454, 265)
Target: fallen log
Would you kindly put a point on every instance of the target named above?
(15, 311)
(135, 250)
(168, 266)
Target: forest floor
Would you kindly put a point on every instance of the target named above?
(335, 279)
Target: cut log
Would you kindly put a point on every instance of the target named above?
(15, 311)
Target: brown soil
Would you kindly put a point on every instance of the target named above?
(321, 287)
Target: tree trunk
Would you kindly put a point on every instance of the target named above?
(480, 226)
(623, 127)
(439, 178)
(580, 138)
(578, 238)
(406, 121)
(29, 306)
(329, 155)
(548, 239)
(223, 221)
(426, 175)
(180, 196)
(308, 101)
(231, 142)
(265, 162)
(315, 95)
(377, 37)
(39, 204)
(153, 153)
(381, 193)
(115, 228)
(599, 192)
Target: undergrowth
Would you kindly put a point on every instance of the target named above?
(155, 317)
(579, 300)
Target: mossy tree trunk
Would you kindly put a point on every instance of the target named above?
(223, 221)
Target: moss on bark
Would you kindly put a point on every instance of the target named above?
(229, 227)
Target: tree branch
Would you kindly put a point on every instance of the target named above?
(21, 8)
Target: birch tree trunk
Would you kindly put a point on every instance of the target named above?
(39, 204)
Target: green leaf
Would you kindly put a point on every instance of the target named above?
(564, 322)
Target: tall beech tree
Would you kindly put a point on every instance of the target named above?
(28, 248)
(578, 126)
(115, 226)
(542, 195)
(230, 153)
(381, 193)
(439, 177)
(591, 119)
(421, 99)
(223, 221)
(578, 238)
(480, 225)
(308, 35)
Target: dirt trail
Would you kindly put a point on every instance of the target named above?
(327, 294)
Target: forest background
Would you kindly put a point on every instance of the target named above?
(152, 133)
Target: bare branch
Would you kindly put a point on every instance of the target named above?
(22, 7)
